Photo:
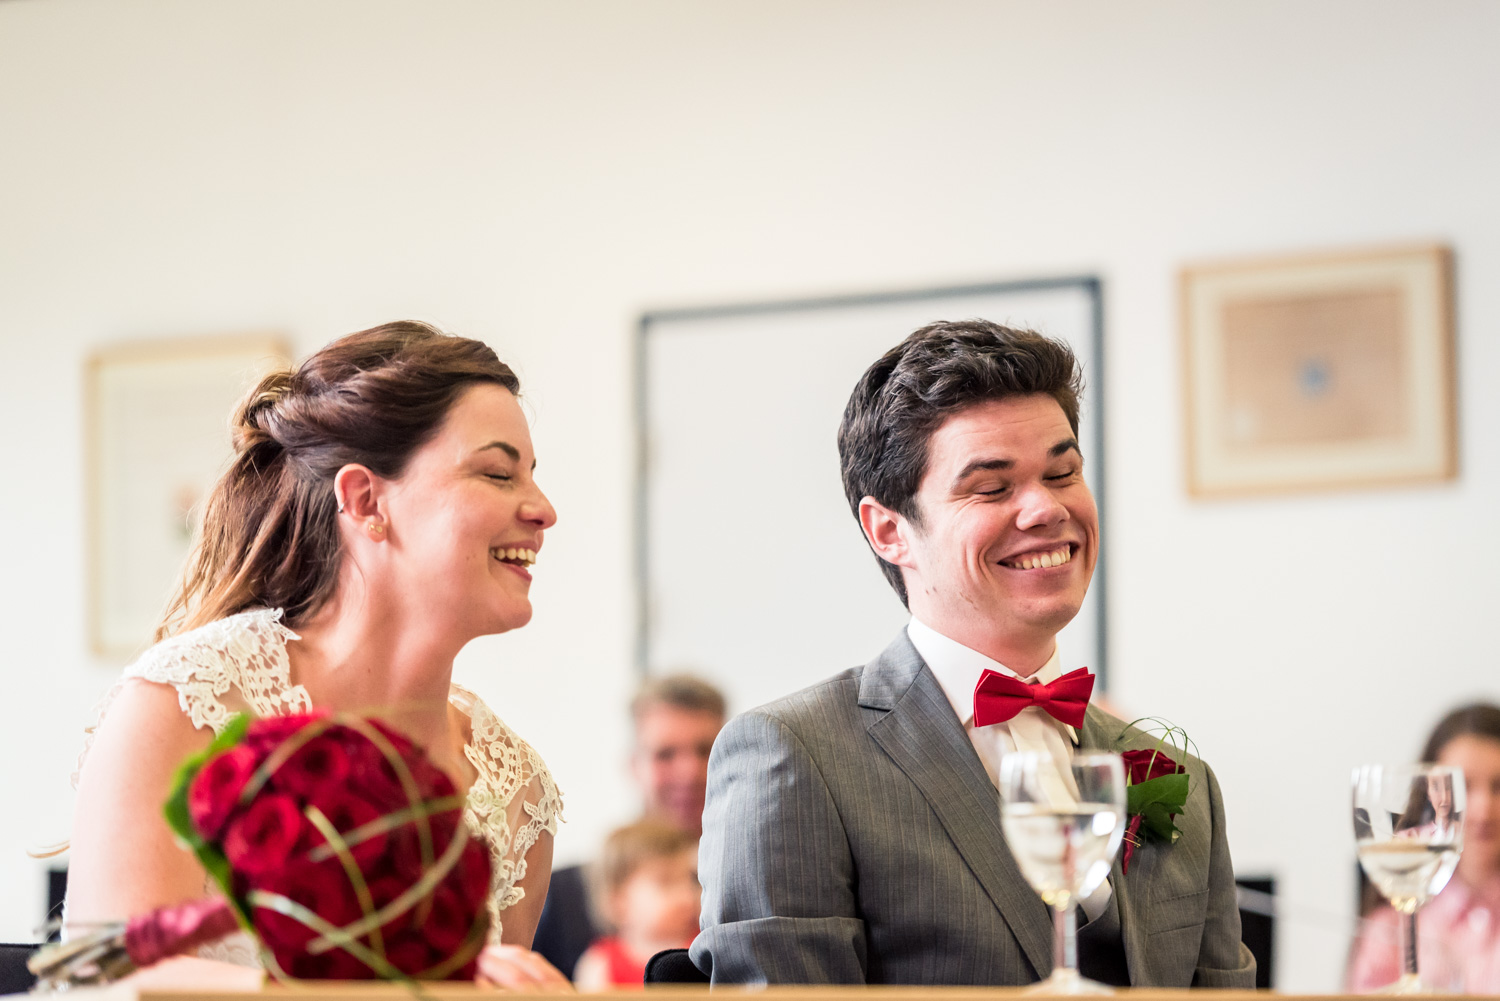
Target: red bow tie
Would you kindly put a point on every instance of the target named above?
(999, 697)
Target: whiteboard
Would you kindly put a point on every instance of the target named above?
(752, 570)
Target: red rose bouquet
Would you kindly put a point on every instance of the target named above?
(337, 843)
(1156, 791)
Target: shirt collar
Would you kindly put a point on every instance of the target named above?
(958, 668)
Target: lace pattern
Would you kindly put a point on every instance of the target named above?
(240, 664)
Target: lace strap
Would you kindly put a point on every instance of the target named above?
(219, 669)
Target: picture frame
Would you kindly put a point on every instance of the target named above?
(1319, 371)
(157, 437)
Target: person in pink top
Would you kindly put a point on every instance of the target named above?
(1458, 936)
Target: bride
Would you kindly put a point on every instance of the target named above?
(379, 514)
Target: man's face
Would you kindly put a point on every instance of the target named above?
(1009, 534)
(670, 762)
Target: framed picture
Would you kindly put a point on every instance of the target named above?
(157, 427)
(1319, 372)
(752, 570)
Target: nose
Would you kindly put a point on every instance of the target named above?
(538, 510)
(1039, 508)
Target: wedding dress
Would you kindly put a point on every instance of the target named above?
(239, 664)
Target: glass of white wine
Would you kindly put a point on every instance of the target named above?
(1064, 831)
(1409, 829)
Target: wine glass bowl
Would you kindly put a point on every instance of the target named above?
(1408, 831)
(1064, 830)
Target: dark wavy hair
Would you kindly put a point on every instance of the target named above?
(270, 535)
(939, 370)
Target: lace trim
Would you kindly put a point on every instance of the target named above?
(513, 798)
(507, 769)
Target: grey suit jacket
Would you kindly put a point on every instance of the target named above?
(851, 835)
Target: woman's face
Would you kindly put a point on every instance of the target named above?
(1479, 759)
(466, 518)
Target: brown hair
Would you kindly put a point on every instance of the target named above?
(680, 691)
(1478, 719)
(939, 370)
(270, 536)
(628, 848)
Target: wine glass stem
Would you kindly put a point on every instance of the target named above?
(1409, 943)
(1064, 938)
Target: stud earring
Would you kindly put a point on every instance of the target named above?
(341, 507)
(376, 531)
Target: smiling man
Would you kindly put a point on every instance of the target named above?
(852, 830)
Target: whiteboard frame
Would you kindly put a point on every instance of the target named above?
(652, 320)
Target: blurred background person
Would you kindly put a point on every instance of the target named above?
(648, 894)
(675, 720)
(1458, 932)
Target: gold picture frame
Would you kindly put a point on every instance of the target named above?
(156, 438)
(1319, 372)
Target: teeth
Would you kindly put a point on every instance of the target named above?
(525, 557)
(1040, 561)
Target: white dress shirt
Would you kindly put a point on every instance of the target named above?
(958, 670)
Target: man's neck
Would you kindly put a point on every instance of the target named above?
(1023, 654)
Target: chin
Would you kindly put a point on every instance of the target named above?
(506, 620)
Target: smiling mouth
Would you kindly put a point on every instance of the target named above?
(1041, 560)
(515, 557)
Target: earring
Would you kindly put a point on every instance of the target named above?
(341, 507)
(376, 531)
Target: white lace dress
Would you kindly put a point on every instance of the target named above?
(239, 664)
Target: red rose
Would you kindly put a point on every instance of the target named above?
(375, 778)
(474, 873)
(450, 921)
(263, 838)
(335, 964)
(406, 846)
(215, 791)
(270, 731)
(318, 763)
(322, 888)
(347, 811)
(410, 953)
(1143, 766)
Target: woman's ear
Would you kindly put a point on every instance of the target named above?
(357, 491)
(886, 531)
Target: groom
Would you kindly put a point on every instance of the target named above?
(852, 830)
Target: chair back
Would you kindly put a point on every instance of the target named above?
(14, 977)
(672, 966)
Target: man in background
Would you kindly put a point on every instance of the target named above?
(675, 720)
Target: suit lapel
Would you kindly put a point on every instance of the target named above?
(1101, 732)
(922, 736)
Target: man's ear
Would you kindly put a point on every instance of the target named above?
(886, 531)
(357, 491)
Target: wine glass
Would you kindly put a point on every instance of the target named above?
(1409, 830)
(1063, 830)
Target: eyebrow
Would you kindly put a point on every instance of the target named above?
(508, 449)
(980, 465)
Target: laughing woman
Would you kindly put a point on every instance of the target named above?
(379, 514)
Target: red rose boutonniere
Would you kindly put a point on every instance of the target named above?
(1156, 791)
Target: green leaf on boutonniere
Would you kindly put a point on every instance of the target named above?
(1156, 800)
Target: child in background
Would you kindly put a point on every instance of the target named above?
(649, 894)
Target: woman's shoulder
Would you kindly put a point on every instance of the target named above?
(250, 636)
(231, 664)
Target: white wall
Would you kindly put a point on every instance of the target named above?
(537, 174)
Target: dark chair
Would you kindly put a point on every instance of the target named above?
(672, 966)
(1257, 924)
(14, 977)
